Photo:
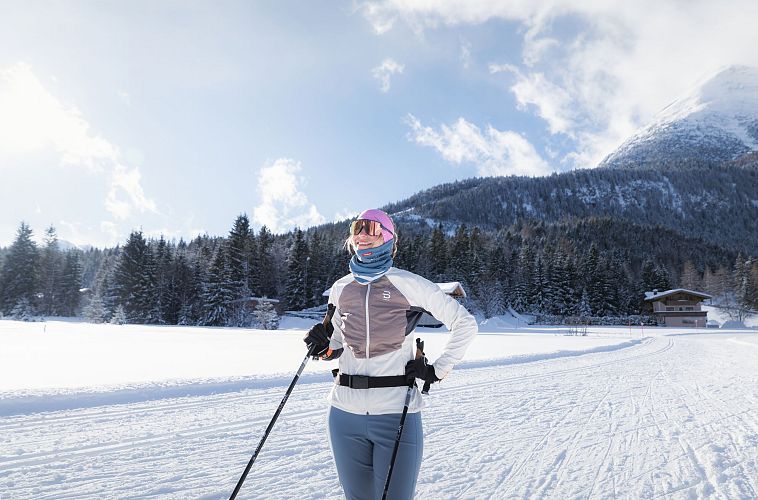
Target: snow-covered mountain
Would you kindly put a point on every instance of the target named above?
(716, 122)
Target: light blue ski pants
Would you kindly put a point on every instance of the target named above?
(362, 448)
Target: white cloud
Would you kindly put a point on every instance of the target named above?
(126, 181)
(494, 152)
(283, 204)
(552, 102)
(345, 213)
(32, 119)
(597, 70)
(384, 72)
(465, 54)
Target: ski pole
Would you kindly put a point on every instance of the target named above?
(328, 325)
(411, 385)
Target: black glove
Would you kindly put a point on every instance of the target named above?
(317, 340)
(420, 368)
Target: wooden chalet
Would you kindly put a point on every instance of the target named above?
(678, 307)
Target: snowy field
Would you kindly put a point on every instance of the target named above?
(101, 411)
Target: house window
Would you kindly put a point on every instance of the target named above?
(689, 308)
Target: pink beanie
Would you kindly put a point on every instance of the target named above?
(382, 218)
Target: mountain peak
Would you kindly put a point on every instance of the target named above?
(716, 121)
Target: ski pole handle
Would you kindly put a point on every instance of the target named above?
(419, 353)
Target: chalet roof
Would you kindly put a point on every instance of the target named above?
(256, 299)
(452, 288)
(660, 295)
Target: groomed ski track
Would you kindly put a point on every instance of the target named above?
(670, 417)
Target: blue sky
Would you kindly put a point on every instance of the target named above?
(176, 116)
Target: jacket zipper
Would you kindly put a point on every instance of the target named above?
(368, 335)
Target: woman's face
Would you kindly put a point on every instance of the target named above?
(363, 241)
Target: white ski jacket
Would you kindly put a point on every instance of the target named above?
(373, 331)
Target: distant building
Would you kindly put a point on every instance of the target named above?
(678, 307)
(452, 288)
(251, 302)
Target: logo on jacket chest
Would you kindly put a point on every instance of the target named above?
(386, 296)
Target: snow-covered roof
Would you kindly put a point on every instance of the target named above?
(655, 296)
(452, 288)
(256, 299)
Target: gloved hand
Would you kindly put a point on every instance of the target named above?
(317, 340)
(420, 368)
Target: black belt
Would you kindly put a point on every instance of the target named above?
(364, 382)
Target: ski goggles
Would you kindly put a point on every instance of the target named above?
(370, 227)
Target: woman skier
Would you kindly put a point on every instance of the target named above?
(377, 308)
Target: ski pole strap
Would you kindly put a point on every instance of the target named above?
(364, 382)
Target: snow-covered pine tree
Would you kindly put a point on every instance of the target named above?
(200, 282)
(265, 264)
(167, 305)
(540, 287)
(594, 281)
(584, 308)
(95, 311)
(438, 260)
(297, 289)
(318, 268)
(184, 292)
(522, 284)
(69, 295)
(147, 299)
(119, 316)
(266, 315)
(239, 248)
(129, 281)
(22, 311)
(50, 273)
(459, 267)
(19, 276)
(219, 290)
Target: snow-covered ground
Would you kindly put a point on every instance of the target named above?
(101, 411)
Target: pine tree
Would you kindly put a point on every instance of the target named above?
(594, 282)
(265, 269)
(119, 316)
(69, 294)
(690, 276)
(50, 274)
(239, 245)
(297, 289)
(318, 268)
(585, 309)
(19, 277)
(95, 311)
(185, 294)
(459, 265)
(147, 300)
(133, 281)
(219, 292)
(649, 279)
(438, 261)
(22, 311)
(540, 287)
(167, 307)
(266, 315)
(200, 285)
